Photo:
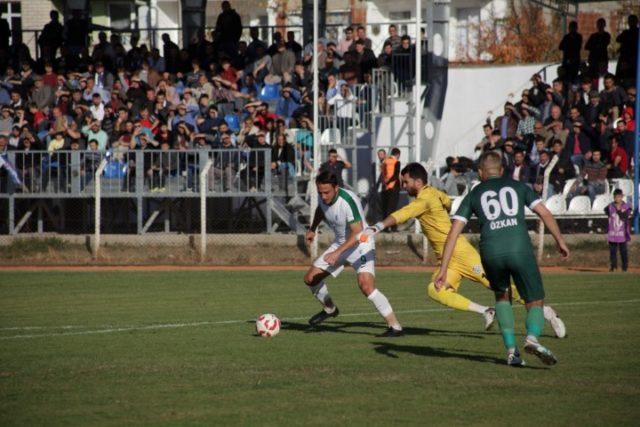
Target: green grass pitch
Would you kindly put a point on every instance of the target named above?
(178, 348)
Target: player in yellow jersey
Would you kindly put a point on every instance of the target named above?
(431, 208)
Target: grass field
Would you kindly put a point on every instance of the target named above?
(178, 348)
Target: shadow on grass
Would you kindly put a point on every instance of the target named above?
(380, 327)
(392, 350)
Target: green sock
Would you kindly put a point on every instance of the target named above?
(535, 321)
(504, 313)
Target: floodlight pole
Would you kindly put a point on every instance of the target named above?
(418, 77)
(316, 137)
(636, 151)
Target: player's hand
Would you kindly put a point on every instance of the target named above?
(367, 233)
(331, 258)
(440, 280)
(309, 236)
(563, 249)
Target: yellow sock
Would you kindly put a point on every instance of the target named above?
(515, 295)
(448, 297)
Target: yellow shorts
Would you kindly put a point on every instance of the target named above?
(465, 263)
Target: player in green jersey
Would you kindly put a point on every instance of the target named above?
(506, 251)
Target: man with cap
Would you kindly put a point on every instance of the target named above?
(593, 110)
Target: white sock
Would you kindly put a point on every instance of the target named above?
(321, 293)
(477, 307)
(381, 302)
(549, 313)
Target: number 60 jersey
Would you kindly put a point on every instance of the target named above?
(499, 205)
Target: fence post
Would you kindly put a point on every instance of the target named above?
(203, 208)
(545, 191)
(98, 203)
(139, 186)
(268, 189)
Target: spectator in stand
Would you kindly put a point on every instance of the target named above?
(77, 34)
(578, 146)
(612, 96)
(283, 158)
(508, 151)
(507, 124)
(43, 96)
(361, 34)
(228, 30)
(538, 90)
(394, 39)
(51, 38)
(344, 107)
(335, 164)
(537, 175)
(385, 59)
(597, 45)
(94, 131)
(283, 62)
(628, 59)
(390, 181)
(592, 179)
(570, 46)
(519, 170)
(618, 230)
(288, 103)
(364, 58)
(252, 48)
(618, 160)
(293, 45)
(593, 110)
(525, 129)
(345, 44)
(624, 136)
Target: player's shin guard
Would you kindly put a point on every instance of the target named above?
(321, 293)
(450, 298)
(504, 313)
(380, 302)
(535, 321)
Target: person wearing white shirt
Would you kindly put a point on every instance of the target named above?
(97, 107)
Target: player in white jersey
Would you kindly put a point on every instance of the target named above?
(342, 211)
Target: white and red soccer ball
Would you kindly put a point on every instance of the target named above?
(268, 325)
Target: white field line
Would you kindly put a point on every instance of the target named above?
(232, 322)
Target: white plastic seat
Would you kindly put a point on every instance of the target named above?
(624, 184)
(330, 136)
(455, 204)
(579, 205)
(556, 204)
(601, 201)
(567, 186)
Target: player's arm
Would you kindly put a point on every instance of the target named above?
(410, 211)
(550, 222)
(318, 216)
(449, 246)
(352, 240)
(535, 204)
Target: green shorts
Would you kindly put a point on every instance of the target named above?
(522, 267)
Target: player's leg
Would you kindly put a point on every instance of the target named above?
(314, 279)
(528, 280)
(366, 282)
(498, 276)
(450, 297)
(613, 256)
(624, 256)
(362, 259)
(550, 314)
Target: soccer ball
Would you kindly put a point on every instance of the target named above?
(268, 325)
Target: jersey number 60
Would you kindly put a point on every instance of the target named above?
(493, 207)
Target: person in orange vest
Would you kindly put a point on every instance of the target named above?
(390, 182)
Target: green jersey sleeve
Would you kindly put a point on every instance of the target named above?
(465, 210)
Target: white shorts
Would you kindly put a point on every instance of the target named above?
(362, 258)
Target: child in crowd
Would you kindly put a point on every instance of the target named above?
(619, 232)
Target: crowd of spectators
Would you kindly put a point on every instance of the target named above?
(588, 127)
(217, 92)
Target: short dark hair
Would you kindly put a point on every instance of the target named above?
(327, 177)
(333, 151)
(617, 192)
(395, 151)
(416, 171)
